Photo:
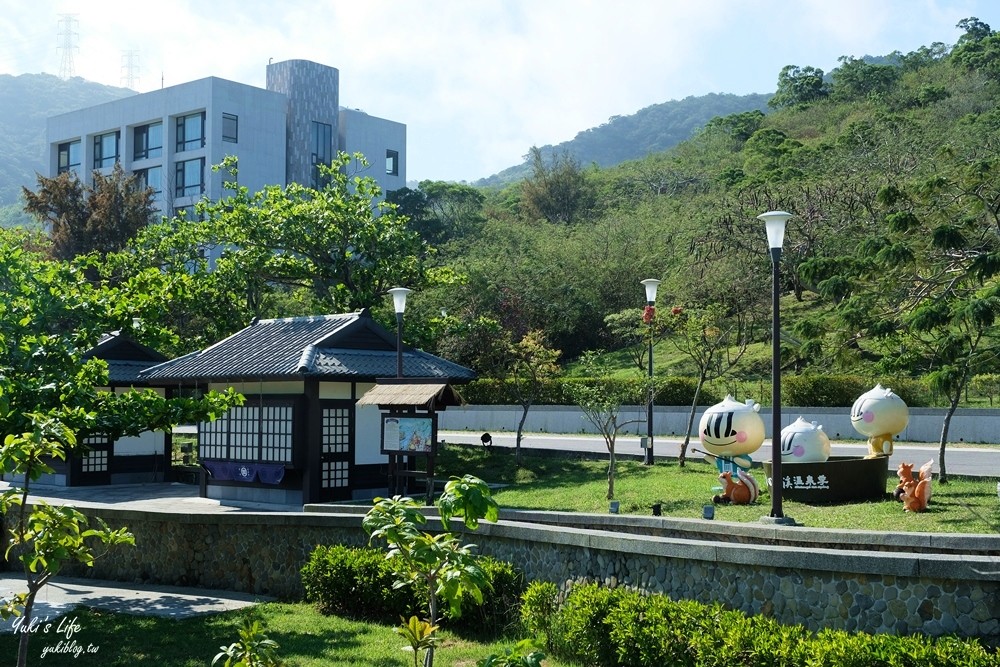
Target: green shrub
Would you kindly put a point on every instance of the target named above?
(355, 582)
(669, 391)
(652, 630)
(538, 607)
(617, 627)
(499, 609)
(823, 391)
(359, 583)
(840, 391)
(580, 631)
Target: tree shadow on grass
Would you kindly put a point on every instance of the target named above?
(122, 639)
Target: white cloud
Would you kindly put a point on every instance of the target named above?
(477, 82)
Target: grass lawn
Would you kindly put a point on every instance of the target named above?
(578, 484)
(305, 637)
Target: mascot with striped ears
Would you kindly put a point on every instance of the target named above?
(730, 431)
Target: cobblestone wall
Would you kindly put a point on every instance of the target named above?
(874, 591)
(814, 598)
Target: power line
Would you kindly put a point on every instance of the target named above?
(67, 44)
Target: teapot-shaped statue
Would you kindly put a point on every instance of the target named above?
(879, 414)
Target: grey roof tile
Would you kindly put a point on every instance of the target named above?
(331, 346)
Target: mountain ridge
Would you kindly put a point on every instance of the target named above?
(26, 100)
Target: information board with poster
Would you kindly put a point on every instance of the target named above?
(409, 435)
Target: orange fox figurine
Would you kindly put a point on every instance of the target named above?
(742, 491)
(914, 492)
(905, 473)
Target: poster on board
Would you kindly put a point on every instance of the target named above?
(407, 435)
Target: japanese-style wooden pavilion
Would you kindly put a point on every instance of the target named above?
(300, 437)
(132, 459)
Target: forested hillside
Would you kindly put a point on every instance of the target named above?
(651, 130)
(25, 102)
(890, 263)
(890, 266)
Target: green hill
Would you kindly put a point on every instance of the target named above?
(25, 102)
(651, 130)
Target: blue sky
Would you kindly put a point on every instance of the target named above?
(478, 82)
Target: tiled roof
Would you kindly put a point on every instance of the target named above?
(350, 346)
(125, 357)
(122, 372)
(382, 364)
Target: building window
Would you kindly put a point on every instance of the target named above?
(190, 214)
(69, 157)
(230, 128)
(392, 163)
(250, 433)
(322, 151)
(148, 141)
(190, 132)
(105, 150)
(190, 178)
(150, 178)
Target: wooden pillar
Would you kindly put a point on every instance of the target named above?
(312, 443)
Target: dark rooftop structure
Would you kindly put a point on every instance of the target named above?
(125, 357)
(331, 347)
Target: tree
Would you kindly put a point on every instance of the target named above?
(557, 192)
(52, 397)
(714, 340)
(924, 295)
(798, 86)
(857, 79)
(439, 564)
(340, 242)
(532, 363)
(601, 401)
(98, 218)
(739, 126)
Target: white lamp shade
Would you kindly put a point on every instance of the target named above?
(651, 284)
(399, 298)
(774, 222)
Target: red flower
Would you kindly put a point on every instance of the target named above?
(648, 314)
(676, 310)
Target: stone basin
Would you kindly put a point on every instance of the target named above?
(839, 479)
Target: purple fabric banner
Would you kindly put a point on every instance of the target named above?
(244, 472)
(271, 473)
(220, 470)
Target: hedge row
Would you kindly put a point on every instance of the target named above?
(837, 391)
(360, 583)
(616, 626)
(816, 391)
(668, 391)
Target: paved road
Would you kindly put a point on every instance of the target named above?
(960, 459)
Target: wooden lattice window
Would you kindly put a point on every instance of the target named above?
(335, 474)
(95, 460)
(261, 432)
(336, 430)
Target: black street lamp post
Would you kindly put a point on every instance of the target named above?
(650, 314)
(774, 222)
(399, 303)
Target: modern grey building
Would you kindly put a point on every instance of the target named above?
(172, 137)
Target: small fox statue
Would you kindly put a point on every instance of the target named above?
(741, 491)
(914, 492)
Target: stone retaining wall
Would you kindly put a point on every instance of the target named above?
(777, 571)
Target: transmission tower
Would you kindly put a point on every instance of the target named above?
(130, 68)
(67, 44)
